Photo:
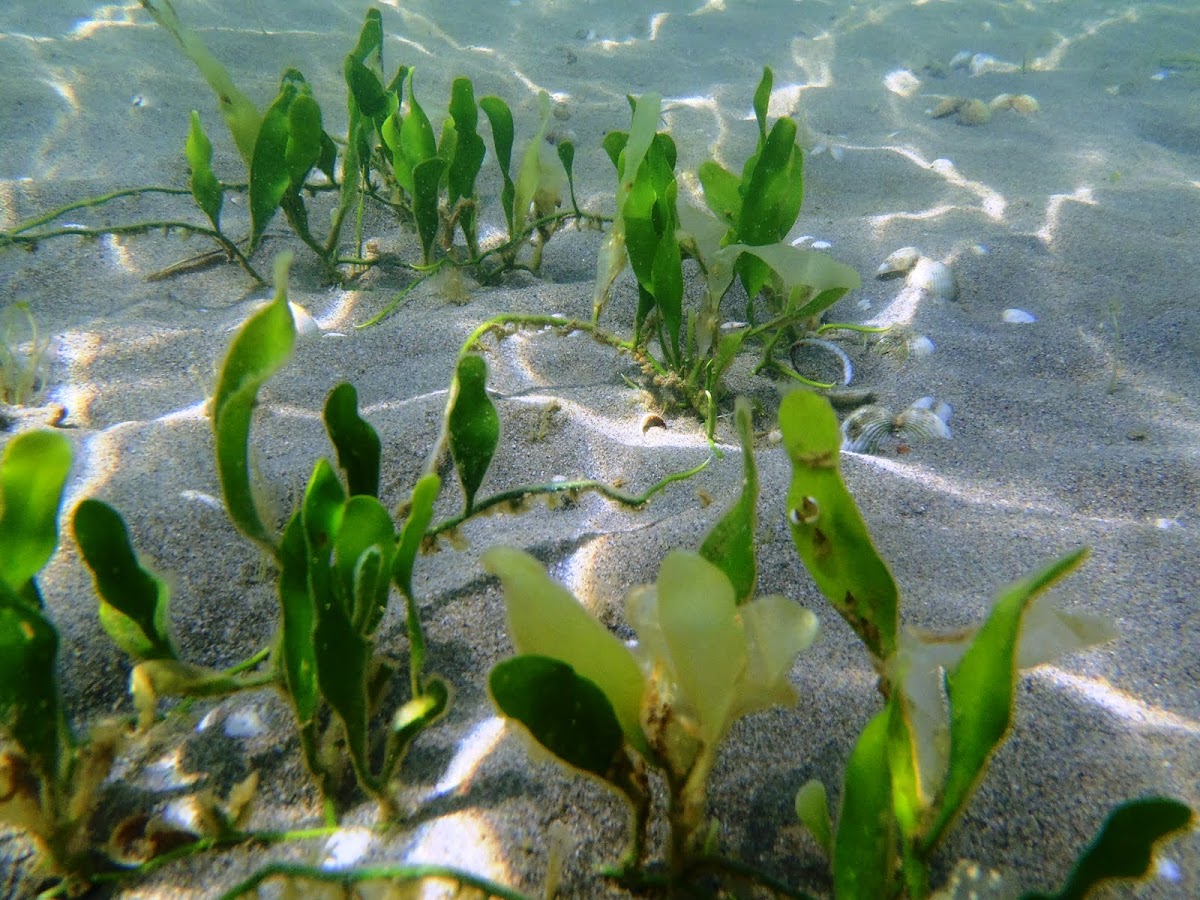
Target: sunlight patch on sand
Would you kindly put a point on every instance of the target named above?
(463, 840)
(1054, 210)
(472, 750)
(1124, 706)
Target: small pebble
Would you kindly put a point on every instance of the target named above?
(1018, 317)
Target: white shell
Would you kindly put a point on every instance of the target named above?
(306, 325)
(900, 261)
(243, 723)
(920, 346)
(960, 60)
(866, 429)
(934, 279)
(939, 408)
(983, 62)
(1018, 317)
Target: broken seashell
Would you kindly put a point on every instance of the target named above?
(244, 723)
(900, 261)
(935, 279)
(847, 367)
(1018, 317)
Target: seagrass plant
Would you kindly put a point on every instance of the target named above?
(707, 654)
(339, 556)
(742, 236)
(391, 156)
(948, 698)
(21, 371)
(48, 777)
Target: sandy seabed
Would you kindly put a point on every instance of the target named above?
(1082, 214)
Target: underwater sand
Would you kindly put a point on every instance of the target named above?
(1089, 205)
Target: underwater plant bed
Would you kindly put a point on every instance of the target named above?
(135, 369)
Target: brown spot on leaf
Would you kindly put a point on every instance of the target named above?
(821, 544)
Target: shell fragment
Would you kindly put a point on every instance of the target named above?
(1018, 317)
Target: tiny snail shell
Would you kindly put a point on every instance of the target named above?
(900, 261)
(653, 421)
(809, 510)
(934, 279)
